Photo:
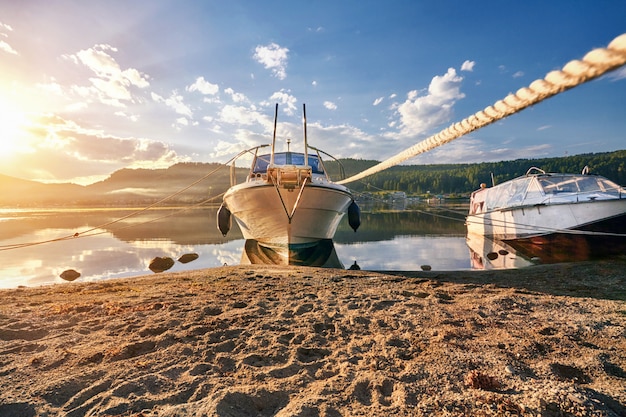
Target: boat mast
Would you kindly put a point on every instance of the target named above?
(306, 144)
(274, 137)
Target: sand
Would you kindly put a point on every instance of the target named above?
(274, 341)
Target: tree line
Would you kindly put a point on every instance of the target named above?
(464, 178)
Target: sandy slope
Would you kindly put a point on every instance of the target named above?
(245, 341)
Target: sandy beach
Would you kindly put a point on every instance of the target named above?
(546, 340)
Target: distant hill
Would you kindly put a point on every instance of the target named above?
(15, 192)
(126, 187)
(141, 187)
(146, 186)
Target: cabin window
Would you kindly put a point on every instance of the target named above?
(588, 185)
(314, 163)
(287, 158)
(610, 187)
(569, 184)
(260, 164)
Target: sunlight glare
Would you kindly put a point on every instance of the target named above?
(13, 125)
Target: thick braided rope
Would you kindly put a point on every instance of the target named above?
(574, 73)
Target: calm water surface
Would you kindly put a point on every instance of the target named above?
(108, 247)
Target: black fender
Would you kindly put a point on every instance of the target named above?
(354, 215)
(224, 220)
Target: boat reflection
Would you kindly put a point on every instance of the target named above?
(486, 253)
(319, 254)
(562, 247)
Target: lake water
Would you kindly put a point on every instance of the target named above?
(37, 246)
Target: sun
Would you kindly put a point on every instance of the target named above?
(13, 129)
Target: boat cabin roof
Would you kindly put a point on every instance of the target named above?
(287, 158)
(545, 188)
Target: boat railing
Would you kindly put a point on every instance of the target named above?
(233, 165)
(295, 174)
(534, 170)
(342, 171)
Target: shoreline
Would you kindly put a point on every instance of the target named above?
(298, 341)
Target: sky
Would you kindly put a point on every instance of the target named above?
(91, 87)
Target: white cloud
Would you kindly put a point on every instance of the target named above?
(378, 101)
(203, 86)
(175, 102)
(7, 48)
(468, 66)
(236, 97)
(131, 117)
(240, 115)
(274, 58)
(518, 74)
(330, 105)
(420, 113)
(346, 141)
(283, 98)
(472, 150)
(111, 85)
(51, 88)
(3, 45)
(62, 150)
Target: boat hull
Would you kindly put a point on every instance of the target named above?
(282, 217)
(544, 219)
(559, 232)
(596, 240)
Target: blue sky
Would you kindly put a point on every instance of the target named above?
(89, 87)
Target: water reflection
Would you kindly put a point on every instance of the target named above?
(111, 249)
(489, 254)
(108, 250)
(402, 240)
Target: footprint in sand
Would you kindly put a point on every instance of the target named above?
(367, 392)
(261, 404)
(30, 335)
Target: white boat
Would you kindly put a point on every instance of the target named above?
(288, 208)
(557, 216)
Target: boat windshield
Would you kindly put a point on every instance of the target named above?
(555, 184)
(286, 158)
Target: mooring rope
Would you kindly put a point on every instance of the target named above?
(593, 65)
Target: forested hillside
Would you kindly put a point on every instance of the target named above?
(140, 187)
(464, 178)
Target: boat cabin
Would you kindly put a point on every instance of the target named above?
(289, 169)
